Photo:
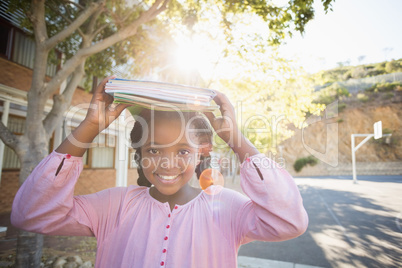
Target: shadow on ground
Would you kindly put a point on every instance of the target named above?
(345, 230)
(54, 246)
(367, 233)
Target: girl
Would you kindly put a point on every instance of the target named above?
(169, 224)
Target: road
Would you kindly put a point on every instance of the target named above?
(351, 225)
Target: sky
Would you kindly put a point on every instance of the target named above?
(369, 28)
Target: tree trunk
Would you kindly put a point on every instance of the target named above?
(29, 245)
(29, 250)
(34, 142)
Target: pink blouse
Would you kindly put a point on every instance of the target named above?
(135, 230)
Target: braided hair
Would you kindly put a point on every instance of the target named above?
(198, 122)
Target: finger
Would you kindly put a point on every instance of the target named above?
(220, 98)
(101, 86)
(210, 116)
(113, 112)
(108, 99)
(224, 103)
(120, 107)
(117, 109)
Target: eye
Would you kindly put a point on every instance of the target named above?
(153, 151)
(184, 152)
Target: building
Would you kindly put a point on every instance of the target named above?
(102, 162)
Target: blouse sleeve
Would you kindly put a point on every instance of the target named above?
(275, 211)
(46, 204)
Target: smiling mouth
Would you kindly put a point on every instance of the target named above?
(167, 179)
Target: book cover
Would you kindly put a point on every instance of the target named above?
(160, 96)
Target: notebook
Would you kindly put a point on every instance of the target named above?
(160, 96)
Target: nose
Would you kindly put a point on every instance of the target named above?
(170, 162)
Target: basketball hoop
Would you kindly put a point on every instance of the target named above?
(377, 135)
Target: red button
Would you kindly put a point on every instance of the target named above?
(166, 238)
(169, 215)
(162, 263)
(176, 207)
(68, 156)
(164, 250)
(167, 226)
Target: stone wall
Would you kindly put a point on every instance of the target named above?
(329, 140)
(345, 169)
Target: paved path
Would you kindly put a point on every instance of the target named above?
(249, 262)
(351, 225)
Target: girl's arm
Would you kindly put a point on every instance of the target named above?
(275, 211)
(227, 129)
(100, 115)
(45, 203)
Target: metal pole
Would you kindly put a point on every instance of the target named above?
(4, 120)
(121, 153)
(353, 159)
(377, 134)
(354, 149)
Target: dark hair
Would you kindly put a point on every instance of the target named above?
(198, 122)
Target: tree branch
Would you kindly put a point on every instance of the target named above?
(92, 22)
(118, 20)
(37, 18)
(162, 8)
(9, 138)
(62, 101)
(66, 19)
(54, 40)
(153, 10)
(99, 30)
(129, 30)
(74, 3)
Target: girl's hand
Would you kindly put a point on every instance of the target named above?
(102, 112)
(100, 115)
(225, 126)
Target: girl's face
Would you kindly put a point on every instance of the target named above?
(169, 159)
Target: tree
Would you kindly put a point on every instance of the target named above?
(91, 32)
(271, 95)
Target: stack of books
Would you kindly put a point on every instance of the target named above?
(161, 96)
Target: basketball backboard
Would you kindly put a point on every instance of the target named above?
(378, 130)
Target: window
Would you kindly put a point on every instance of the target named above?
(24, 53)
(132, 163)
(5, 33)
(16, 46)
(102, 152)
(101, 156)
(85, 159)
